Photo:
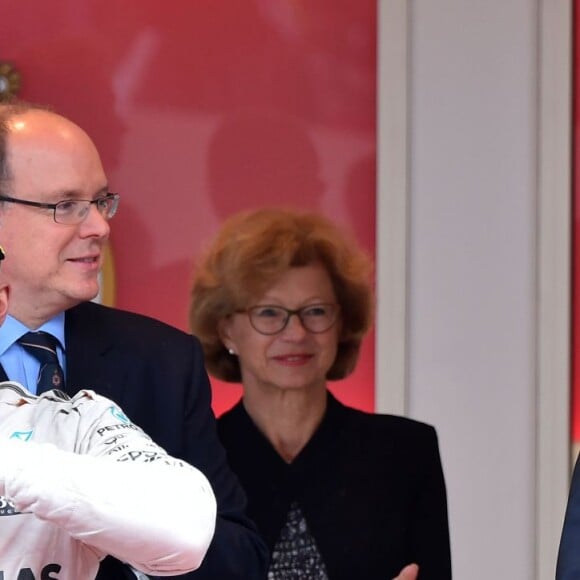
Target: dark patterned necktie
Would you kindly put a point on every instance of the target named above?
(42, 346)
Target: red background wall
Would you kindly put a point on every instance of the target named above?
(205, 107)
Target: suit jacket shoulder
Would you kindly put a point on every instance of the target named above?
(401, 432)
(112, 325)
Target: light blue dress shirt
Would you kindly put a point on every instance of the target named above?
(19, 365)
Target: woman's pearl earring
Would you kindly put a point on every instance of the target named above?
(231, 351)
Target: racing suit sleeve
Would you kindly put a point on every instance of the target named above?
(123, 496)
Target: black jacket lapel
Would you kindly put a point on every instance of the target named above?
(89, 351)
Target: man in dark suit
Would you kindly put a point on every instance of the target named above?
(568, 567)
(54, 222)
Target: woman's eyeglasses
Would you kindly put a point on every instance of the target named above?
(268, 319)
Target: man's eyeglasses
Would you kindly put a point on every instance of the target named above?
(74, 211)
(315, 318)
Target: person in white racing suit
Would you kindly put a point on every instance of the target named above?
(79, 481)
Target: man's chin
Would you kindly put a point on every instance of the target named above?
(86, 294)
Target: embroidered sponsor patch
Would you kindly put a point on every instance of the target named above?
(7, 507)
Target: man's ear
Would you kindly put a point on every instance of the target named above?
(3, 302)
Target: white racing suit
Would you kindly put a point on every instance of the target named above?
(79, 481)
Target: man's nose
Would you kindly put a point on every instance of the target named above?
(95, 224)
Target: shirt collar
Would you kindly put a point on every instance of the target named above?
(11, 330)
